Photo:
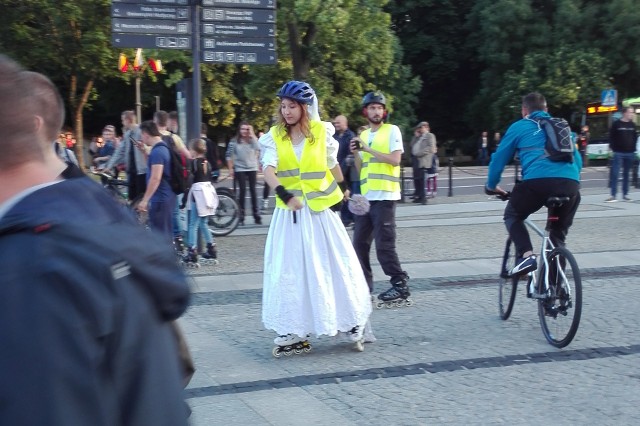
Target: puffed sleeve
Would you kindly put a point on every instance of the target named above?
(332, 146)
(268, 151)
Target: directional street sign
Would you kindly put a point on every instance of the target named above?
(254, 4)
(151, 41)
(155, 2)
(235, 57)
(150, 26)
(223, 29)
(239, 15)
(239, 45)
(140, 11)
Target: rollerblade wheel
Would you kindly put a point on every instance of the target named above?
(390, 304)
(276, 352)
(297, 351)
(307, 348)
(288, 352)
(380, 304)
(409, 302)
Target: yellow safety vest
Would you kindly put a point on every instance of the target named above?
(310, 177)
(374, 174)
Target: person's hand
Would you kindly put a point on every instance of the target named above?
(347, 194)
(500, 190)
(355, 145)
(142, 206)
(494, 191)
(294, 204)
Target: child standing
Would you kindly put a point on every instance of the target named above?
(201, 203)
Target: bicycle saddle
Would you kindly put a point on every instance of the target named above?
(556, 201)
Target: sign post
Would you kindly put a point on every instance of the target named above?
(234, 32)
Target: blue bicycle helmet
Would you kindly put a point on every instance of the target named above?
(298, 91)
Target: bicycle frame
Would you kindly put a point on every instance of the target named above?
(546, 248)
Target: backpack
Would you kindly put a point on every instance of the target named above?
(558, 146)
(179, 179)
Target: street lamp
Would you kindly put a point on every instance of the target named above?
(138, 64)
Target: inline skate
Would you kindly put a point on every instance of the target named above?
(397, 296)
(210, 257)
(356, 335)
(190, 260)
(178, 245)
(290, 344)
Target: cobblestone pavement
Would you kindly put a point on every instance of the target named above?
(447, 360)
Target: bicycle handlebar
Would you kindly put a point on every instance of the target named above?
(504, 196)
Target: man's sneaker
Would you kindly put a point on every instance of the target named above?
(610, 200)
(265, 204)
(626, 198)
(524, 266)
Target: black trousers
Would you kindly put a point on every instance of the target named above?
(242, 178)
(418, 178)
(528, 197)
(379, 223)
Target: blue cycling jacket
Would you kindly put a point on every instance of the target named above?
(527, 139)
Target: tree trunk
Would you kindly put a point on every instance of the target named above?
(300, 49)
(78, 125)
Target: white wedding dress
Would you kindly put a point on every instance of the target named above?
(313, 282)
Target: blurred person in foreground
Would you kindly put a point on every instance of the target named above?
(86, 335)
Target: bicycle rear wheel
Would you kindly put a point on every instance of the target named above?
(560, 311)
(508, 284)
(227, 216)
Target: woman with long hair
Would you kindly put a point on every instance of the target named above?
(242, 159)
(313, 282)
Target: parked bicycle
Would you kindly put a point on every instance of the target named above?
(556, 284)
(227, 216)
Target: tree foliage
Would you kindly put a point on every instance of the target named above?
(461, 65)
(69, 41)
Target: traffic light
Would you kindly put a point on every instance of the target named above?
(123, 63)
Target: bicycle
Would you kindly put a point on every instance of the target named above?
(118, 189)
(556, 284)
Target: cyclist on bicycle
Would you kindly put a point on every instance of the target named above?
(541, 179)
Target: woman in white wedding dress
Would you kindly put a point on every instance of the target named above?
(313, 283)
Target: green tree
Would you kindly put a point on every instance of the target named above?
(433, 36)
(69, 41)
(343, 48)
(550, 50)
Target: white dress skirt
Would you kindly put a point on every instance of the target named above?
(313, 282)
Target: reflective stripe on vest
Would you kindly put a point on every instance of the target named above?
(310, 177)
(376, 175)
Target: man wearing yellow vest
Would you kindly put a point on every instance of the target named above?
(378, 152)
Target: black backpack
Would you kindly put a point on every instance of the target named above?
(558, 146)
(179, 179)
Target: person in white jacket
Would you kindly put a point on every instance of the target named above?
(202, 202)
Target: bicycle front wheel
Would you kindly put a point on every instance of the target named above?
(226, 218)
(508, 284)
(560, 310)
